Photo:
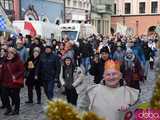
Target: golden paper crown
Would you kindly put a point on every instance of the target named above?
(111, 64)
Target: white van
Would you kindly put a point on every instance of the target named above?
(74, 31)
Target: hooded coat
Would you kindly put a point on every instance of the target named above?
(11, 68)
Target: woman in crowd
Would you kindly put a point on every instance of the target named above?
(13, 78)
(97, 66)
(32, 76)
(61, 49)
(3, 53)
(67, 79)
(132, 72)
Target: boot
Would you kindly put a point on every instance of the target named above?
(8, 111)
(29, 102)
(2, 107)
(39, 100)
(15, 112)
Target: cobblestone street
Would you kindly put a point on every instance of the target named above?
(30, 111)
(36, 112)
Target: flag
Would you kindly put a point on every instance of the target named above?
(5, 24)
(2, 23)
(121, 29)
(28, 26)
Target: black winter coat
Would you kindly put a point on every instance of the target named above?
(86, 50)
(49, 67)
(97, 70)
(32, 71)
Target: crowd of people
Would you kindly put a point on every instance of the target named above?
(117, 63)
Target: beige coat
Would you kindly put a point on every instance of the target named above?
(106, 101)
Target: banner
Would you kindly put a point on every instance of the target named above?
(129, 32)
(121, 29)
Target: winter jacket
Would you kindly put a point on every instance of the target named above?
(66, 76)
(97, 70)
(49, 67)
(134, 74)
(11, 68)
(23, 53)
(147, 53)
(32, 71)
(2, 61)
(86, 50)
(139, 54)
(82, 82)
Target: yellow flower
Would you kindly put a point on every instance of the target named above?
(61, 110)
(91, 116)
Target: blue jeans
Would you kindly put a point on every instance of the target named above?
(86, 63)
(49, 89)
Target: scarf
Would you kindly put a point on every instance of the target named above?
(129, 62)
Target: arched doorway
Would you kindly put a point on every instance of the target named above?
(151, 28)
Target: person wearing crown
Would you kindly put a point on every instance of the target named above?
(109, 100)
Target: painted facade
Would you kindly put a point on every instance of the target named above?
(52, 10)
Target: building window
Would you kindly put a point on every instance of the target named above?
(80, 4)
(84, 4)
(154, 6)
(3, 3)
(68, 2)
(7, 4)
(88, 6)
(127, 8)
(75, 3)
(108, 7)
(115, 9)
(142, 7)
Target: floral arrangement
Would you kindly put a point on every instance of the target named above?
(61, 110)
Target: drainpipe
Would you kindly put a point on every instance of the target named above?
(64, 10)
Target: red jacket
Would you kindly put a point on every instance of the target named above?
(11, 68)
